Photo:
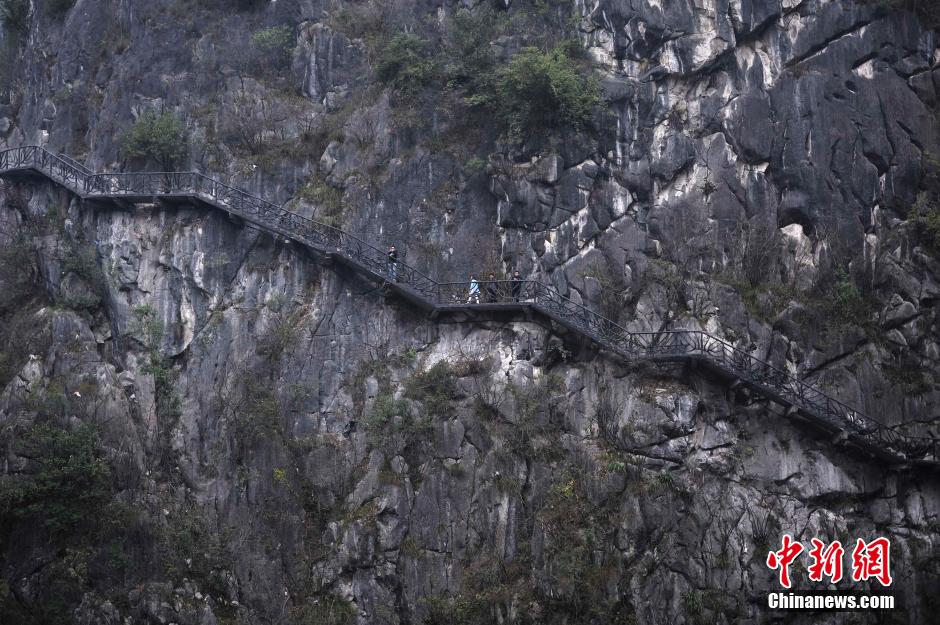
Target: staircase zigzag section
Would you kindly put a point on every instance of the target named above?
(799, 398)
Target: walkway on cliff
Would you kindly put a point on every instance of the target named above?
(800, 400)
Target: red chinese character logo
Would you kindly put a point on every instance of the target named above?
(783, 558)
(826, 561)
(872, 560)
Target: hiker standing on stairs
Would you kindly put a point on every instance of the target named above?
(392, 263)
(473, 294)
(492, 289)
(516, 285)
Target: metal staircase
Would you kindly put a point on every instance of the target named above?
(799, 400)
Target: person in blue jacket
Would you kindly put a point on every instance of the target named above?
(473, 294)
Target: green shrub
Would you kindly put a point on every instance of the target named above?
(165, 378)
(157, 137)
(149, 330)
(470, 57)
(19, 275)
(80, 302)
(692, 605)
(436, 388)
(926, 215)
(490, 586)
(252, 411)
(66, 482)
(147, 327)
(82, 260)
(260, 417)
(405, 64)
(534, 92)
(392, 424)
(571, 528)
(273, 46)
(327, 199)
(365, 20)
(539, 91)
(15, 15)
(845, 303)
(22, 332)
(384, 411)
(475, 165)
(280, 334)
(190, 547)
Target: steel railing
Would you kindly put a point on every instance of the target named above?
(825, 411)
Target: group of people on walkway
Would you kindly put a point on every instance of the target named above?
(490, 291)
(494, 290)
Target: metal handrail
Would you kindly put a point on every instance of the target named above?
(761, 375)
(68, 159)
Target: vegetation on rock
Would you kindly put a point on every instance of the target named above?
(160, 138)
(532, 92)
(327, 199)
(540, 91)
(406, 65)
(845, 302)
(436, 389)
(326, 609)
(24, 331)
(273, 47)
(926, 213)
(66, 481)
(149, 331)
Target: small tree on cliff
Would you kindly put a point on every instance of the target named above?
(406, 65)
(67, 480)
(157, 137)
(272, 48)
(539, 91)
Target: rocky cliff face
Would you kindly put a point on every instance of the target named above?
(273, 441)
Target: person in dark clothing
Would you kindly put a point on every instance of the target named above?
(392, 263)
(492, 289)
(516, 285)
